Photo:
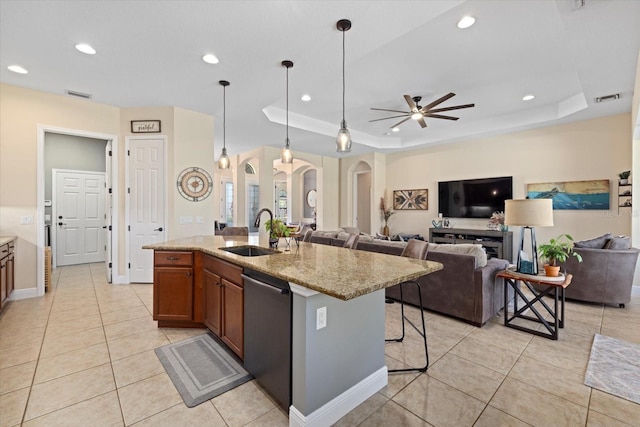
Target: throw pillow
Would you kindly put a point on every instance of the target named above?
(463, 249)
(595, 243)
(382, 237)
(619, 242)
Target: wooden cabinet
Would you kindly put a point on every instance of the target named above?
(7, 271)
(224, 301)
(212, 301)
(174, 293)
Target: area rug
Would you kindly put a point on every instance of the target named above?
(614, 367)
(201, 368)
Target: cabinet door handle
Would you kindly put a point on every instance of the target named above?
(173, 258)
(189, 274)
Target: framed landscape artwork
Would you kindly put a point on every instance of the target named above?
(410, 199)
(573, 195)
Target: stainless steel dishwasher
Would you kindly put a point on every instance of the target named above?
(268, 306)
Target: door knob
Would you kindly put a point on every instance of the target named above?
(158, 229)
(60, 217)
(62, 223)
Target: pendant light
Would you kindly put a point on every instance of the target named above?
(343, 140)
(223, 161)
(287, 156)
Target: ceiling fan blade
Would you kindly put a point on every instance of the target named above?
(438, 116)
(422, 123)
(455, 107)
(412, 104)
(399, 123)
(393, 111)
(437, 101)
(387, 118)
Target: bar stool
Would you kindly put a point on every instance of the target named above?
(415, 249)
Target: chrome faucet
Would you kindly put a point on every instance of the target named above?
(272, 241)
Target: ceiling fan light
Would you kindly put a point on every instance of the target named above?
(417, 115)
(223, 161)
(286, 155)
(343, 140)
(466, 22)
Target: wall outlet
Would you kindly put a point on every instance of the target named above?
(321, 318)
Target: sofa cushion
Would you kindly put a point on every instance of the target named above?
(595, 243)
(619, 242)
(462, 249)
(329, 234)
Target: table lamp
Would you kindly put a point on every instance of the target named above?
(528, 213)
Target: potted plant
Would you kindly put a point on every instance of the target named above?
(280, 229)
(556, 251)
(624, 177)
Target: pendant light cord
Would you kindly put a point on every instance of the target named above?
(287, 106)
(343, 75)
(224, 117)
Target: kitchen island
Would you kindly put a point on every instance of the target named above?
(336, 367)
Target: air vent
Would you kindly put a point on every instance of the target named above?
(607, 98)
(78, 94)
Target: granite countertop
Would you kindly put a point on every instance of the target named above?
(6, 239)
(341, 273)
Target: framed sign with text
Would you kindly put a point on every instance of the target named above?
(145, 126)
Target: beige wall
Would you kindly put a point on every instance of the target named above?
(635, 169)
(21, 111)
(189, 139)
(593, 149)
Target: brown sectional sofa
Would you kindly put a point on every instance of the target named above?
(463, 289)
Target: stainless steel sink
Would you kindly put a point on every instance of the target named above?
(250, 250)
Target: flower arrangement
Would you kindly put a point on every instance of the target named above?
(386, 213)
(496, 222)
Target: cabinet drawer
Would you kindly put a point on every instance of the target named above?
(5, 250)
(172, 258)
(222, 268)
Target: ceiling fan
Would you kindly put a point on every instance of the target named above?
(418, 113)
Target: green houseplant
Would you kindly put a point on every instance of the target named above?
(279, 229)
(556, 251)
(624, 177)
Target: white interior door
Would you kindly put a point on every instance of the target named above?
(108, 201)
(79, 199)
(146, 177)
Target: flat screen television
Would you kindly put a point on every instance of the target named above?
(474, 198)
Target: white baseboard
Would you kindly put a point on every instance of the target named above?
(23, 294)
(342, 404)
(119, 280)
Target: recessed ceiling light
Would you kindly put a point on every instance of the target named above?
(210, 59)
(17, 69)
(306, 97)
(395, 129)
(528, 97)
(466, 22)
(85, 48)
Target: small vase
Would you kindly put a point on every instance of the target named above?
(624, 181)
(385, 230)
(504, 227)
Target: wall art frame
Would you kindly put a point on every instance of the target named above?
(573, 195)
(411, 199)
(145, 126)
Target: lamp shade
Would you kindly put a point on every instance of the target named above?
(529, 212)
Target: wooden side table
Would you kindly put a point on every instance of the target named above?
(554, 286)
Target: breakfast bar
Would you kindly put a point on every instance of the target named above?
(337, 362)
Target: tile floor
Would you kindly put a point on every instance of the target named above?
(83, 355)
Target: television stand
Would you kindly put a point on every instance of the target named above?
(497, 244)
